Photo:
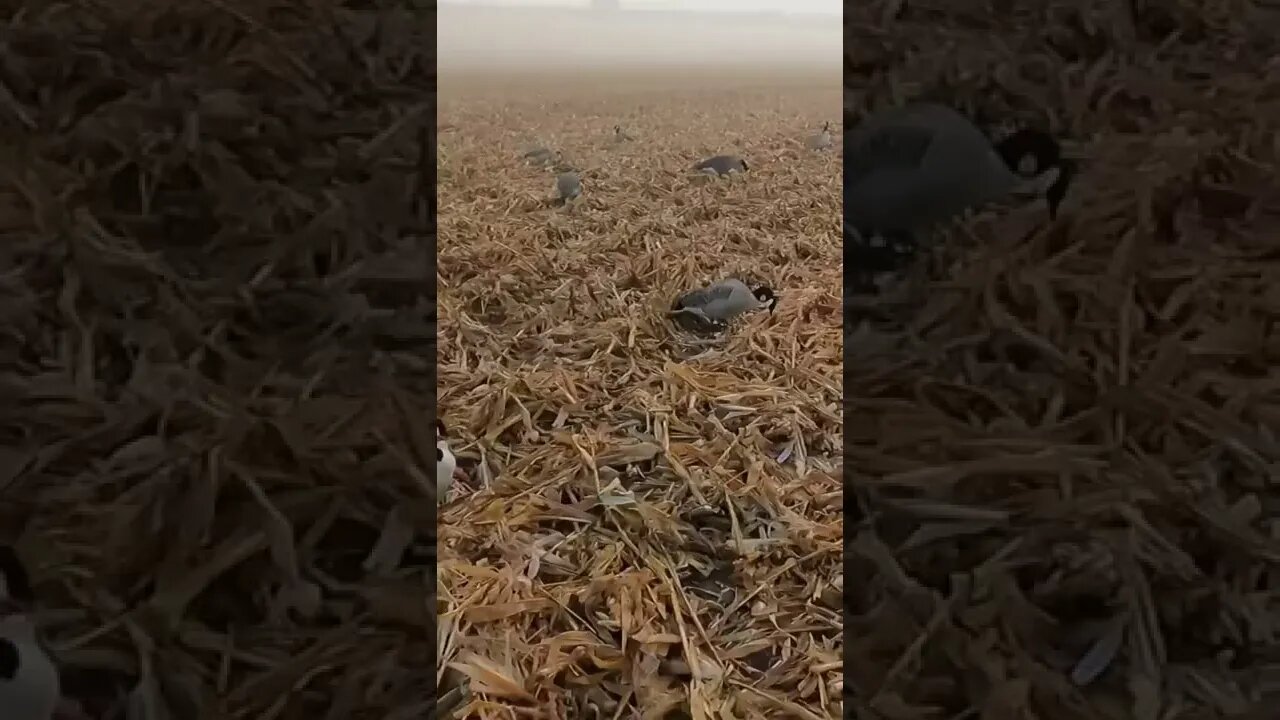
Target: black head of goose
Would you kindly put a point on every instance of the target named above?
(1036, 157)
(910, 168)
(721, 302)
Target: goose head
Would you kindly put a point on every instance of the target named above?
(1034, 154)
(766, 297)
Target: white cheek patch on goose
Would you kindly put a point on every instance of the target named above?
(446, 463)
(29, 688)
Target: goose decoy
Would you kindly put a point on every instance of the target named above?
(723, 301)
(568, 187)
(822, 140)
(910, 168)
(447, 469)
(722, 165)
(541, 156)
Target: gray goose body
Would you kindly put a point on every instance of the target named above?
(568, 186)
(822, 140)
(721, 302)
(540, 156)
(722, 165)
(911, 168)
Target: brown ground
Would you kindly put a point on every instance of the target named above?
(1068, 442)
(633, 545)
(215, 297)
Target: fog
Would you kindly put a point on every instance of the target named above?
(525, 39)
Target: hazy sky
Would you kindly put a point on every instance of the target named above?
(484, 34)
(825, 7)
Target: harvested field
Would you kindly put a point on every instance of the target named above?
(1065, 442)
(654, 519)
(213, 357)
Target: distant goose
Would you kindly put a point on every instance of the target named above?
(822, 140)
(721, 302)
(447, 469)
(568, 187)
(722, 165)
(541, 156)
(620, 135)
(911, 168)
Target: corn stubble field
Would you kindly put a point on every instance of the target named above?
(215, 324)
(1068, 440)
(654, 519)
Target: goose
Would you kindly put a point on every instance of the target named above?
(447, 469)
(822, 140)
(541, 156)
(723, 301)
(910, 168)
(722, 165)
(568, 187)
(620, 135)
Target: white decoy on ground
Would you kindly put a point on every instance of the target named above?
(910, 168)
(822, 140)
(717, 304)
(722, 165)
(447, 469)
